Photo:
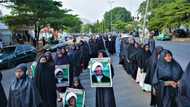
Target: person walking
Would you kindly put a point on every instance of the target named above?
(105, 96)
(46, 82)
(167, 75)
(3, 98)
(23, 91)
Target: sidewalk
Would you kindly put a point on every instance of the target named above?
(127, 93)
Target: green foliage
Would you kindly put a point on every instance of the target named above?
(167, 13)
(41, 12)
(118, 14)
(120, 19)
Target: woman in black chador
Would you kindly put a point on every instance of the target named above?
(23, 92)
(105, 96)
(46, 82)
(3, 99)
(184, 89)
(151, 66)
(167, 74)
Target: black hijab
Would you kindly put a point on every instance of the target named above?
(49, 58)
(151, 64)
(46, 83)
(79, 86)
(3, 98)
(103, 52)
(142, 57)
(28, 95)
(154, 57)
(61, 60)
(166, 71)
(184, 89)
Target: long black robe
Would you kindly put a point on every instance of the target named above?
(151, 66)
(93, 48)
(105, 96)
(85, 54)
(23, 93)
(131, 57)
(100, 43)
(138, 58)
(143, 57)
(110, 45)
(46, 84)
(3, 99)
(75, 63)
(123, 51)
(165, 71)
(184, 89)
(152, 44)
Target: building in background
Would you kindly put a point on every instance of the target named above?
(5, 35)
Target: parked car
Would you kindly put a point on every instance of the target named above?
(14, 55)
(181, 33)
(163, 37)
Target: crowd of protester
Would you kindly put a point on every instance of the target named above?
(152, 67)
(36, 87)
(156, 71)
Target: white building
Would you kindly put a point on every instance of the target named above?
(5, 35)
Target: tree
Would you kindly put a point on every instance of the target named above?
(168, 14)
(40, 13)
(118, 14)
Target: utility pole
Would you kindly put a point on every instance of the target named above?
(144, 22)
(111, 5)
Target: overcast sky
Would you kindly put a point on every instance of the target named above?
(93, 10)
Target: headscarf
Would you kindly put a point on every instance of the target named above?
(18, 83)
(151, 64)
(166, 71)
(61, 60)
(103, 52)
(23, 67)
(28, 95)
(46, 82)
(79, 86)
(156, 52)
(49, 57)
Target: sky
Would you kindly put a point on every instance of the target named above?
(93, 10)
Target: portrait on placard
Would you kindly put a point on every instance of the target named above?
(100, 72)
(62, 75)
(74, 98)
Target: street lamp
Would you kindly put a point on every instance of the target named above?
(144, 22)
(111, 5)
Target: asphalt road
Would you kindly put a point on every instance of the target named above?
(127, 93)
